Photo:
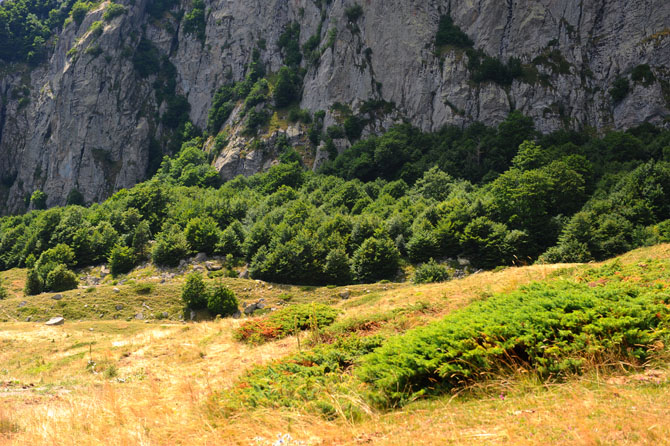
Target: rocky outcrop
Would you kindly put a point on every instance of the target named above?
(86, 120)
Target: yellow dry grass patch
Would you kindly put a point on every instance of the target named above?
(154, 381)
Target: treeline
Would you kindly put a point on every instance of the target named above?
(563, 197)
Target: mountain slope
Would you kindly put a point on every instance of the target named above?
(89, 120)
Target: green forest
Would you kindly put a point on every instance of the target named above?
(495, 196)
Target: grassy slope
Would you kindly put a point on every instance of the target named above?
(153, 380)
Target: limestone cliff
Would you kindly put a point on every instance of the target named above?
(87, 120)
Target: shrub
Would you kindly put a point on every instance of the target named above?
(450, 34)
(289, 44)
(146, 59)
(38, 200)
(34, 283)
(112, 11)
(171, 246)
(286, 322)
(59, 254)
(79, 11)
(337, 269)
(96, 29)
(141, 239)
(194, 293)
(61, 279)
(643, 74)
(121, 260)
(354, 12)
(222, 107)
(143, 288)
(286, 89)
(316, 380)
(552, 328)
(255, 120)
(177, 111)
(3, 291)
(257, 95)
(422, 246)
(75, 197)
(376, 259)
(430, 272)
(229, 243)
(353, 127)
(202, 234)
(194, 20)
(222, 301)
(619, 90)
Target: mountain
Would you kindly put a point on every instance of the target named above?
(117, 84)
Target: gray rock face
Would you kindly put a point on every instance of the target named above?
(88, 118)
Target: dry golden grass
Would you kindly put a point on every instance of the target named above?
(153, 383)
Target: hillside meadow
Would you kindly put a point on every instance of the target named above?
(158, 382)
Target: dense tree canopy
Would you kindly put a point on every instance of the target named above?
(497, 196)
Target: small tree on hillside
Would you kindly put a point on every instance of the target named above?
(222, 301)
(194, 293)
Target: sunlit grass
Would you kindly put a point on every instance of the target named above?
(121, 382)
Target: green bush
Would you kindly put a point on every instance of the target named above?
(194, 293)
(3, 291)
(96, 29)
(141, 239)
(258, 94)
(551, 328)
(423, 245)
(194, 20)
(643, 74)
(229, 243)
(289, 44)
(317, 380)
(222, 107)
(354, 12)
(202, 234)
(484, 68)
(376, 259)
(255, 120)
(337, 270)
(620, 89)
(222, 301)
(287, 88)
(143, 288)
(146, 59)
(34, 283)
(79, 11)
(177, 111)
(286, 322)
(59, 254)
(112, 11)
(61, 279)
(38, 200)
(121, 260)
(430, 272)
(450, 34)
(171, 246)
